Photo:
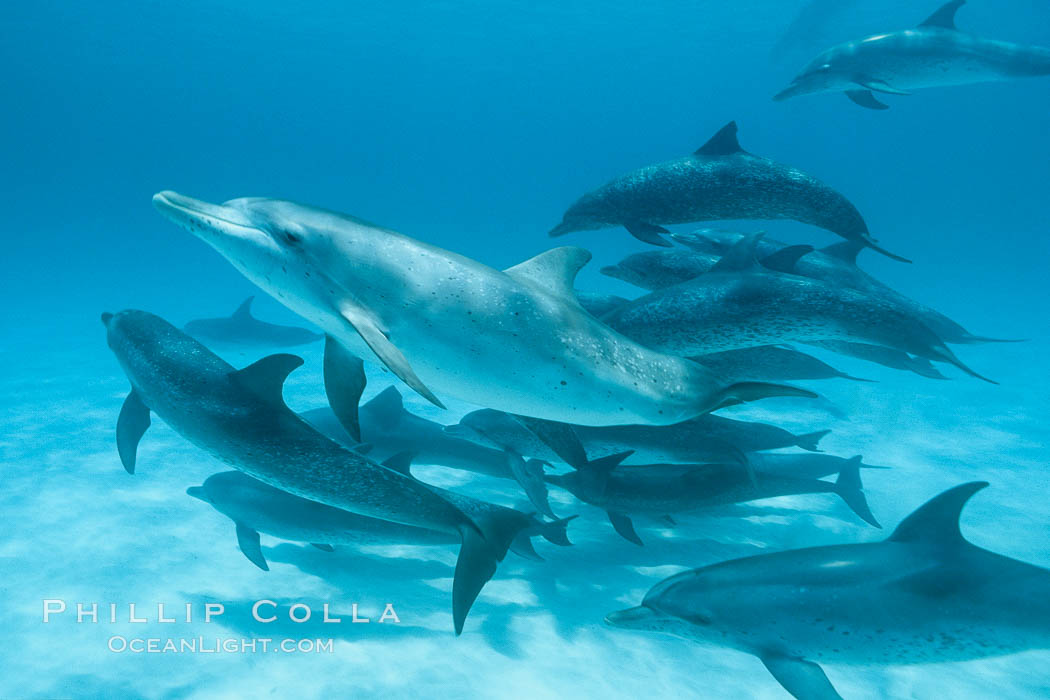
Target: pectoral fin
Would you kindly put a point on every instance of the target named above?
(647, 233)
(324, 547)
(864, 98)
(386, 351)
(560, 437)
(625, 528)
(344, 382)
(131, 425)
(529, 476)
(248, 541)
(803, 679)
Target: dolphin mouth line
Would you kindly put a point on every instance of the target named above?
(203, 210)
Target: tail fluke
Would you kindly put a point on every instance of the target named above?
(850, 489)
(808, 441)
(485, 543)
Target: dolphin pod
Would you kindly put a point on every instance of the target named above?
(719, 181)
(453, 321)
(933, 54)
(923, 595)
(240, 417)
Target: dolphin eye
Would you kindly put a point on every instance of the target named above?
(292, 238)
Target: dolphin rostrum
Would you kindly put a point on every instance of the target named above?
(925, 595)
(934, 53)
(666, 489)
(256, 507)
(516, 340)
(719, 181)
(239, 416)
(740, 303)
(244, 329)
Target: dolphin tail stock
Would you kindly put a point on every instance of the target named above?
(809, 441)
(745, 392)
(486, 539)
(851, 490)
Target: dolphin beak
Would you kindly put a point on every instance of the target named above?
(561, 229)
(197, 492)
(197, 216)
(630, 618)
(789, 91)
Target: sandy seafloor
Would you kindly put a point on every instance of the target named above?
(79, 528)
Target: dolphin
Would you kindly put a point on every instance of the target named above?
(239, 416)
(516, 340)
(925, 595)
(659, 269)
(835, 264)
(666, 489)
(933, 54)
(719, 181)
(766, 362)
(887, 357)
(243, 328)
(741, 304)
(256, 507)
(388, 429)
(708, 438)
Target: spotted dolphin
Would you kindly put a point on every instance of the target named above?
(933, 54)
(719, 181)
(740, 304)
(239, 416)
(667, 489)
(835, 264)
(709, 438)
(241, 328)
(515, 340)
(256, 507)
(925, 595)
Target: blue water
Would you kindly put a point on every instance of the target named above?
(472, 125)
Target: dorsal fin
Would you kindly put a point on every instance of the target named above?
(245, 309)
(784, 260)
(740, 256)
(386, 407)
(604, 465)
(845, 250)
(723, 143)
(945, 16)
(937, 522)
(265, 378)
(401, 462)
(554, 271)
